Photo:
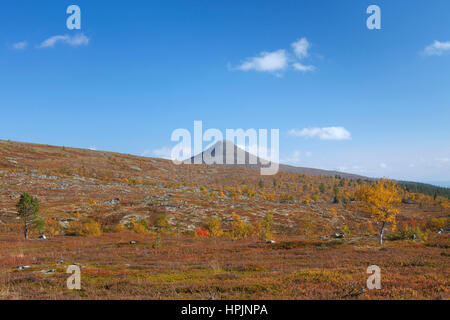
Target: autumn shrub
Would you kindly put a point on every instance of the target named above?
(267, 226)
(162, 223)
(435, 224)
(138, 226)
(214, 227)
(201, 232)
(308, 227)
(369, 228)
(240, 229)
(11, 227)
(286, 197)
(408, 234)
(85, 227)
(334, 212)
(346, 230)
(119, 228)
(52, 227)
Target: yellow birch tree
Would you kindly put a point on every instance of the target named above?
(381, 199)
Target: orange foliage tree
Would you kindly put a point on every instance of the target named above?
(381, 199)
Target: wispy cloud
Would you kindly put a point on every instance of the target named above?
(20, 45)
(326, 133)
(164, 152)
(266, 62)
(74, 41)
(437, 48)
(168, 153)
(279, 60)
(301, 48)
(351, 168)
(294, 158)
(300, 67)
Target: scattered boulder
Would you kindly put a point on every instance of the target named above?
(338, 235)
(129, 217)
(43, 237)
(21, 268)
(133, 242)
(270, 241)
(113, 201)
(48, 271)
(64, 223)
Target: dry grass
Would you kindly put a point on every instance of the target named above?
(189, 268)
(80, 184)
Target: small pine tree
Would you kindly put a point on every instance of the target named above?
(322, 188)
(261, 184)
(27, 209)
(336, 194)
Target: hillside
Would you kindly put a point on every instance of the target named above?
(86, 182)
(137, 227)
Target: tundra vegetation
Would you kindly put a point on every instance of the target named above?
(146, 228)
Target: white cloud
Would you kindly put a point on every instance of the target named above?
(75, 41)
(301, 48)
(437, 48)
(359, 169)
(300, 67)
(354, 168)
(164, 152)
(327, 133)
(383, 165)
(266, 62)
(277, 61)
(294, 158)
(20, 45)
(93, 148)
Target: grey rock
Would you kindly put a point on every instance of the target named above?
(21, 268)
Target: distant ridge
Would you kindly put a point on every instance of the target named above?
(254, 162)
(27, 151)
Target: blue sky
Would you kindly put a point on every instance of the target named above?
(137, 70)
